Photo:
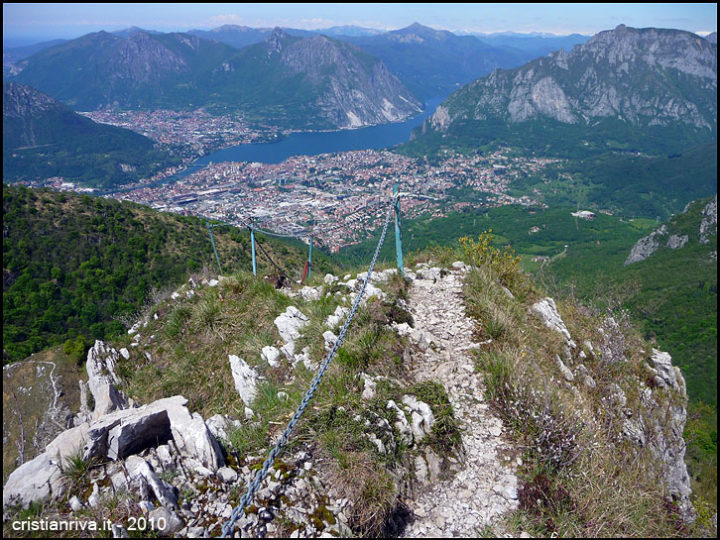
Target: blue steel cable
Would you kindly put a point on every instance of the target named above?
(262, 473)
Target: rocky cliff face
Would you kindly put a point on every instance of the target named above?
(105, 70)
(672, 237)
(22, 105)
(314, 82)
(349, 88)
(643, 77)
(21, 101)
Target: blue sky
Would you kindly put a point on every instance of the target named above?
(40, 22)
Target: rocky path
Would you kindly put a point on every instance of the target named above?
(484, 486)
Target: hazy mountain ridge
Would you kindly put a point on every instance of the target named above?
(314, 82)
(643, 77)
(104, 70)
(43, 138)
(434, 62)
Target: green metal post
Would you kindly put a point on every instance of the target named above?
(212, 241)
(252, 244)
(398, 241)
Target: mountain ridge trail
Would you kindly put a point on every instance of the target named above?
(483, 485)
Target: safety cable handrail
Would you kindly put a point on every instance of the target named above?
(262, 473)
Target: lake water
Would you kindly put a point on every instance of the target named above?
(314, 143)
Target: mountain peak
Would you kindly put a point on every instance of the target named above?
(618, 75)
(276, 38)
(20, 100)
(418, 26)
(423, 31)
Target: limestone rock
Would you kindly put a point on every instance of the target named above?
(311, 293)
(139, 471)
(421, 415)
(330, 340)
(667, 374)
(171, 520)
(76, 504)
(306, 359)
(288, 351)
(677, 241)
(217, 424)
(271, 355)
(124, 433)
(290, 323)
(402, 329)
(245, 379)
(646, 246)
(337, 317)
(616, 396)
(227, 475)
(401, 423)
(100, 367)
(634, 432)
(708, 226)
(566, 373)
(547, 311)
(42, 476)
(369, 385)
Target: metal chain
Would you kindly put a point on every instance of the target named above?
(262, 473)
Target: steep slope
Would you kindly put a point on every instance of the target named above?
(433, 63)
(317, 82)
(77, 265)
(313, 82)
(13, 55)
(379, 450)
(43, 138)
(624, 88)
(676, 269)
(143, 70)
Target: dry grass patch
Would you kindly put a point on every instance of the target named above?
(581, 477)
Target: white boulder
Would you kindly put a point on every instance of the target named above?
(547, 311)
(42, 476)
(245, 379)
(271, 355)
(100, 367)
(290, 323)
(421, 416)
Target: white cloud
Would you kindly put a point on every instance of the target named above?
(229, 18)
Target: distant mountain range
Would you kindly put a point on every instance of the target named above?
(432, 62)
(622, 82)
(532, 45)
(315, 82)
(429, 62)
(43, 138)
(141, 68)
(242, 36)
(623, 89)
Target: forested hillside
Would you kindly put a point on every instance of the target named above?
(79, 265)
(42, 138)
